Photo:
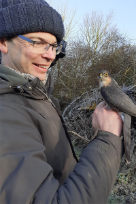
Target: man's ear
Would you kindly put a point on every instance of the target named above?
(3, 45)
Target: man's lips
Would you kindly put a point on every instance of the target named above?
(42, 66)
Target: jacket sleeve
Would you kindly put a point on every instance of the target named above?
(26, 177)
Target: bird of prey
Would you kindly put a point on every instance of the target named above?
(120, 102)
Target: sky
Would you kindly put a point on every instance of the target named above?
(124, 12)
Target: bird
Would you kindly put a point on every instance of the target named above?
(118, 101)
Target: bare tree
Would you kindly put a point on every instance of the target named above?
(95, 29)
(94, 32)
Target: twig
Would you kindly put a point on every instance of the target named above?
(71, 104)
(79, 136)
(64, 84)
(131, 87)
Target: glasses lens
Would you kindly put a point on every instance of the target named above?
(40, 47)
(43, 47)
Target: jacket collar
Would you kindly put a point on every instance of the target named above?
(29, 86)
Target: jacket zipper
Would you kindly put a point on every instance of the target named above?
(47, 97)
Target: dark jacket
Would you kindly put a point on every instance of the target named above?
(37, 161)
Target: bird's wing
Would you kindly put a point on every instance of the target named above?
(116, 98)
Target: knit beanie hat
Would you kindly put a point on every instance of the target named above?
(27, 16)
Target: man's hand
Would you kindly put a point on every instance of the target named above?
(105, 119)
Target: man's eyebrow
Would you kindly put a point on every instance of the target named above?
(41, 39)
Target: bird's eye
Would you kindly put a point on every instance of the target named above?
(106, 74)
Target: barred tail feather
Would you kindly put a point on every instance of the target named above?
(127, 136)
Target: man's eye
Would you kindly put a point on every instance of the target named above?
(41, 43)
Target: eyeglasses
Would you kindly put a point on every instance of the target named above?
(41, 47)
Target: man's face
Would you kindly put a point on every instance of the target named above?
(20, 55)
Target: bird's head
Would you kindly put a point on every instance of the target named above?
(104, 78)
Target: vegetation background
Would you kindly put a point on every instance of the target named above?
(94, 45)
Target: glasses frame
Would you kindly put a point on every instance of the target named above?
(59, 46)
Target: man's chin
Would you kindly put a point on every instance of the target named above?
(42, 78)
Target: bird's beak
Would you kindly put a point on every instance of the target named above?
(100, 75)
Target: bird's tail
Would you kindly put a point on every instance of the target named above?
(127, 136)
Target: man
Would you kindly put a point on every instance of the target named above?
(37, 161)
